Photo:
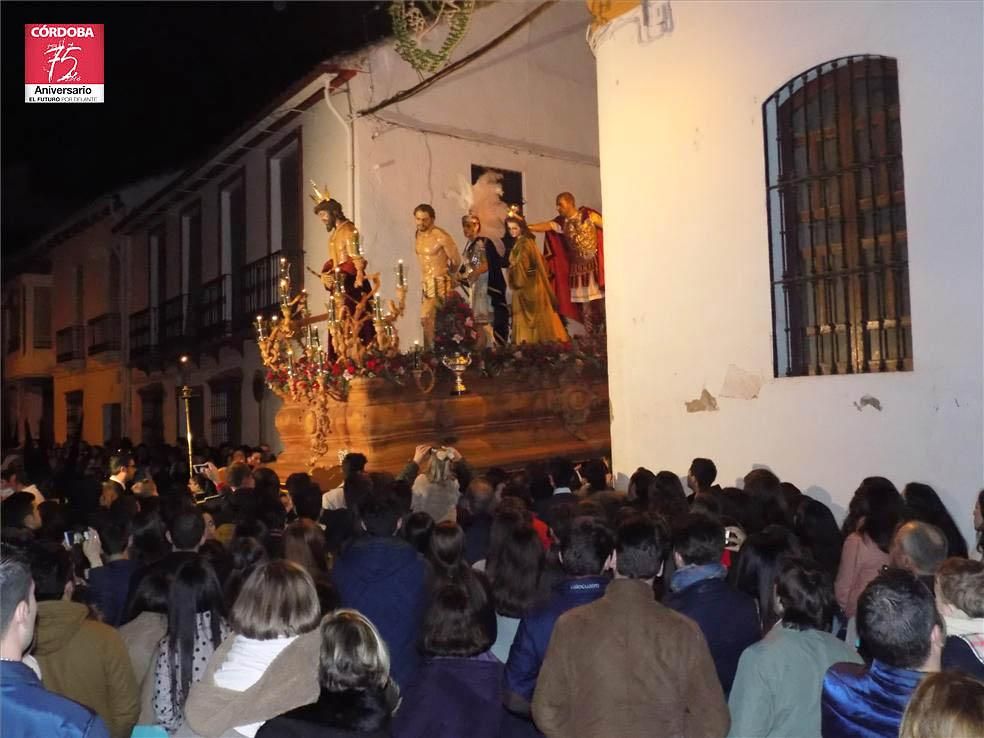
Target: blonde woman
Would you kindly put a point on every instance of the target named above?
(357, 695)
(948, 703)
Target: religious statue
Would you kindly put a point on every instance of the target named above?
(438, 256)
(534, 304)
(346, 261)
(481, 279)
(575, 253)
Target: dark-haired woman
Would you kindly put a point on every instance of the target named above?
(817, 529)
(457, 690)
(874, 513)
(776, 692)
(514, 575)
(922, 503)
(195, 627)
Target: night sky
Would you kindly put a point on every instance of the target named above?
(179, 78)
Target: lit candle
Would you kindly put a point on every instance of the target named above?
(356, 242)
(416, 354)
(332, 316)
(377, 307)
(338, 280)
(290, 362)
(283, 291)
(259, 327)
(401, 279)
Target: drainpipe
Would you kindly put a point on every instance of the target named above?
(349, 126)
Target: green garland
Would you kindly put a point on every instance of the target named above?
(409, 21)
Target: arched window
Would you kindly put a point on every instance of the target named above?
(837, 229)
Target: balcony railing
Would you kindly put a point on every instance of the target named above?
(70, 344)
(260, 287)
(213, 308)
(143, 332)
(174, 327)
(104, 333)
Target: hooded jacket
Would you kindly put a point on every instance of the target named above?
(385, 579)
(86, 661)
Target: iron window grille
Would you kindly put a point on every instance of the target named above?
(837, 225)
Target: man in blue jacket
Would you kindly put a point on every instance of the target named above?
(728, 618)
(30, 710)
(385, 579)
(902, 631)
(584, 554)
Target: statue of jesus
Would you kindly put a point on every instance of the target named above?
(439, 260)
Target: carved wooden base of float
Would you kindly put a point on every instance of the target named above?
(507, 420)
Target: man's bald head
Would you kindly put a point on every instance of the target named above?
(918, 547)
(480, 496)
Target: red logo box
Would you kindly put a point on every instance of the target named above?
(63, 62)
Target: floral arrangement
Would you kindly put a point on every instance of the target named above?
(454, 327)
(584, 354)
(307, 379)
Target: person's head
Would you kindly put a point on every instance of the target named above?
(702, 474)
(455, 623)
(948, 703)
(480, 497)
(417, 529)
(817, 529)
(53, 572)
(566, 206)
(187, 531)
(114, 534)
(149, 535)
(960, 587)
(424, 217)
(254, 458)
(330, 213)
(641, 545)
(640, 486)
(698, 540)
(239, 475)
(922, 503)
(586, 548)
(353, 463)
(595, 473)
(18, 607)
(516, 226)
(194, 591)
(761, 557)
(151, 595)
(515, 571)
(278, 600)
(760, 480)
(122, 467)
(245, 554)
(918, 547)
(561, 473)
(898, 623)
(13, 476)
(20, 510)
(380, 514)
(210, 525)
(356, 489)
(875, 511)
(110, 493)
(805, 595)
(446, 549)
(353, 654)
(304, 544)
(470, 226)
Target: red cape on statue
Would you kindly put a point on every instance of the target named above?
(558, 261)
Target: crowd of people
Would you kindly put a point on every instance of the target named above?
(136, 599)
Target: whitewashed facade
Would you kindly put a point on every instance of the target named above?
(687, 242)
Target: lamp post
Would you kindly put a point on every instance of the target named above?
(186, 396)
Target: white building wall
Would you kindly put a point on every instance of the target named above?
(687, 248)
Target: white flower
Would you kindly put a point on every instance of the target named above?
(457, 338)
(347, 375)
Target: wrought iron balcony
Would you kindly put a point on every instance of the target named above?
(213, 308)
(70, 344)
(104, 333)
(260, 288)
(143, 333)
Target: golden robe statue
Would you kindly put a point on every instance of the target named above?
(534, 304)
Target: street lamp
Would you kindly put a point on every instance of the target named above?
(186, 396)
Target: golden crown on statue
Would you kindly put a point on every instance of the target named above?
(319, 197)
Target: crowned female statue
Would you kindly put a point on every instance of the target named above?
(534, 304)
